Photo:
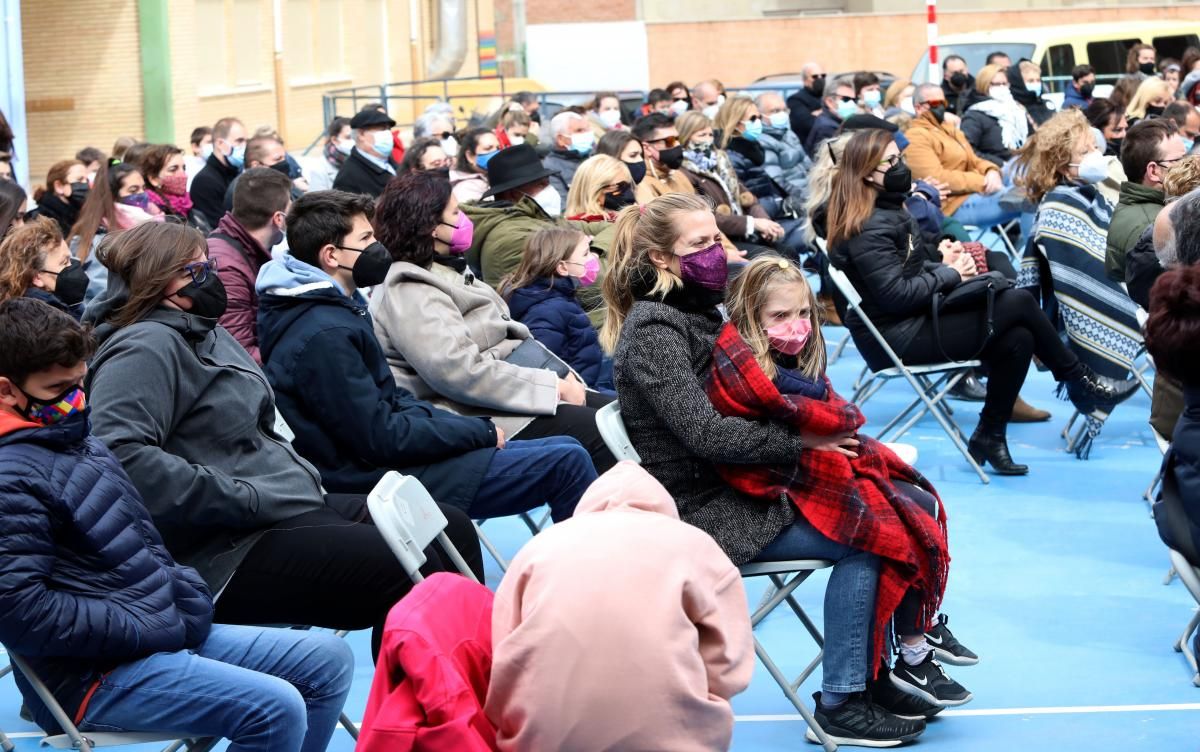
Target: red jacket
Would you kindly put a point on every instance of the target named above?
(238, 263)
(433, 671)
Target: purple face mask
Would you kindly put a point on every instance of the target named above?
(705, 268)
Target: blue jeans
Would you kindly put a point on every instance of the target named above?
(265, 690)
(526, 474)
(984, 210)
(849, 602)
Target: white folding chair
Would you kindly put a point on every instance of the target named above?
(931, 382)
(73, 738)
(410, 520)
(612, 430)
(1190, 577)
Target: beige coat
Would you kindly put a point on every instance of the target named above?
(446, 335)
(939, 151)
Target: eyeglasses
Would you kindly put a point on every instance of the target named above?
(617, 188)
(439, 164)
(753, 119)
(818, 75)
(668, 143)
(199, 270)
(935, 103)
(1167, 162)
(890, 162)
(846, 98)
(443, 135)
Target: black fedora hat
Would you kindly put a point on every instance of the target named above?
(513, 167)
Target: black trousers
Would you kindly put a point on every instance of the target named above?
(331, 568)
(1021, 330)
(907, 613)
(578, 422)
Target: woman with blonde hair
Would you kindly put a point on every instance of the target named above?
(541, 295)
(602, 187)
(1150, 100)
(514, 128)
(1064, 264)
(666, 278)
(873, 239)
(899, 99)
(994, 124)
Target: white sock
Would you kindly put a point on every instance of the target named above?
(914, 654)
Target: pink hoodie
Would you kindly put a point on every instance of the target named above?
(622, 628)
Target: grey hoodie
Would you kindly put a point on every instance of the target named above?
(191, 418)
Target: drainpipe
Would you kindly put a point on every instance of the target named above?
(154, 41)
(451, 49)
(280, 88)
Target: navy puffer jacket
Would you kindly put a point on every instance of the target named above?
(557, 320)
(85, 581)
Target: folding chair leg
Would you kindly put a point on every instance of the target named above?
(1184, 645)
(349, 725)
(1171, 574)
(801, 707)
(841, 347)
(456, 557)
(5, 744)
(490, 548)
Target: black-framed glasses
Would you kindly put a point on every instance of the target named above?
(199, 270)
(846, 98)
(617, 188)
(1167, 162)
(819, 75)
(669, 142)
(888, 163)
(753, 119)
(443, 135)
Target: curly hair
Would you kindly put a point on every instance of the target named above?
(1043, 163)
(1183, 177)
(1173, 328)
(407, 213)
(416, 152)
(23, 255)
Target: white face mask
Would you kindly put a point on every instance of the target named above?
(206, 150)
(906, 104)
(711, 111)
(1000, 93)
(609, 118)
(382, 143)
(778, 119)
(450, 146)
(1093, 168)
(549, 200)
(345, 145)
(678, 107)
(516, 140)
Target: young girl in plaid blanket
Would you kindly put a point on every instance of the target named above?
(769, 363)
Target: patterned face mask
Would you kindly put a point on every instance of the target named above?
(47, 412)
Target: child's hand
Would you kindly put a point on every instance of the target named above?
(839, 443)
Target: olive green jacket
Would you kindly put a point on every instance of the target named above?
(1136, 210)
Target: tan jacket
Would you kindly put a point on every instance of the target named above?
(446, 335)
(677, 181)
(941, 152)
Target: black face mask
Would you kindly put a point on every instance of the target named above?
(897, 179)
(939, 113)
(1113, 147)
(70, 284)
(282, 167)
(817, 88)
(1086, 90)
(372, 266)
(536, 116)
(637, 170)
(79, 193)
(958, 80)
(671, 158)
(618, 201)
(1153, 111)
(208, 297)
(1147, 68)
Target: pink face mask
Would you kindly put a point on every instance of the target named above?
(464, 234)
(790, 337)
(591, 270)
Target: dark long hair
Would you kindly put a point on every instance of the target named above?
(100, 207)
(407, 213)
(851, 200)
(12, 203)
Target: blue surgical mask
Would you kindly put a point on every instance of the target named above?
(1188, 143)
(872, 98)
(481, 160)
(382, 143)
(847, 109)
(583, 142)
(237, 156)
(1035, 89)
(752, 130)
(778, 119)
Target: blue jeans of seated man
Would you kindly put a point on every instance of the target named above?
(265, 690)
(849, 602)
(984, 211)
(526, 474)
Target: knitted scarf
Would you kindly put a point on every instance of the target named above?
(851, 501)
(180, 206)
(715, 164)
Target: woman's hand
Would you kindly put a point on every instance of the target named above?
(571, 391)
(964, 265)
(769, 229)
(993, 182)
(943, 189)
(734, 255)
(500, 442)
(951, 250)
(843, 443)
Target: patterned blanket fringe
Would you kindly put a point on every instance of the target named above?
(1092, 426)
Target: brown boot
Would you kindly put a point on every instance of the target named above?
(829, 314)
(1023, 412)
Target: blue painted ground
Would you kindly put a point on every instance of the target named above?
(1056, 582)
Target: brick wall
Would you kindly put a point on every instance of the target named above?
(573, 11)
(81, 89)
(881, 42)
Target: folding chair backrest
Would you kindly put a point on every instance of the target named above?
(844, 286)
(612, 430)
(282, 428)
(407, 517)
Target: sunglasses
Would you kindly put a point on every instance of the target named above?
(846, 98)
(753, 119)
(617, 188)
(443, 135)
(669, 142)
(936, 103)
(818, 75)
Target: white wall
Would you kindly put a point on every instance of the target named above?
(589, 56)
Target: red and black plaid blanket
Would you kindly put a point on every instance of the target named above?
(851, 501)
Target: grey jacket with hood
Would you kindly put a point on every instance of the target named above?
(192, 419)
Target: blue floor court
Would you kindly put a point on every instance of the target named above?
(1056, 582)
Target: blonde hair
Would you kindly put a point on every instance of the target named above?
(641, 231)
(983, 80)
(820, 180)
(1044, 160)
(748, 296)
(730, 116)
(1150, 89)
(543, 251)
(515, 116)
(689, 124)
(593, 175)
(892, 98)
(1027, 67)
(1183, 177)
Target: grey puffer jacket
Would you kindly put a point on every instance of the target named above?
(661, 361)
(192, 420)
(787, 162)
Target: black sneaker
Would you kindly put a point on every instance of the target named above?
(946, 646)
(900, 704)
(858, 722)
(929, 681)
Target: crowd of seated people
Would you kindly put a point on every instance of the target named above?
(457, 304)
